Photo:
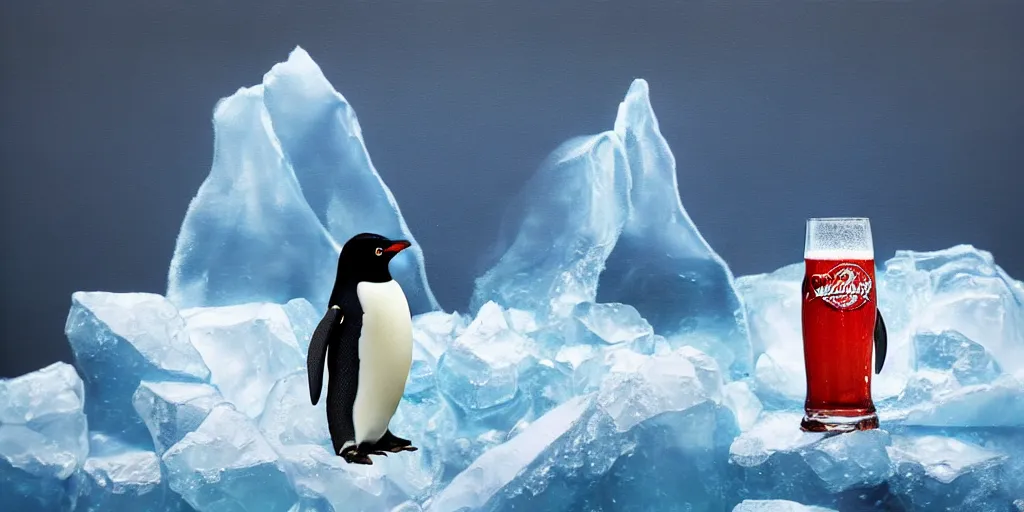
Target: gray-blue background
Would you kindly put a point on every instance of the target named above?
(911, 113)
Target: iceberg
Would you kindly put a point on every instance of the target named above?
(291, 182)
(640, 431)
(968, 361)
(226, 464)
(661, 264)
(172, 409)
(905, 468)
(560, 230)
(492, 364)
(120, 339)
(248, 348)
(602, 219)
(118, 478)
(589, 373)
(941, 471)
(43, 437)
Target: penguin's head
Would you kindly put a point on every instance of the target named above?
(365, 257)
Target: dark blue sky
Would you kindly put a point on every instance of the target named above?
(911, 113)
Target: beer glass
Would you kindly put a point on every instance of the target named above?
(839, 317)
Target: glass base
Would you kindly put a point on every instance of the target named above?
(823, 422)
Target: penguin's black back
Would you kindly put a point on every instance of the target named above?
(341, 345)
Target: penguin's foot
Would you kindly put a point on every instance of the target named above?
(409, 448)
(395, 444)
(397, 449)
(360, 454)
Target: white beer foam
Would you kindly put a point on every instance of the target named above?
(840, 254)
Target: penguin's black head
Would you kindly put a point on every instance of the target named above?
(365, 257)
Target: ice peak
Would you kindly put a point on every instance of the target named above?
(303, 81)
(300, 57)
(233, 105)
(635, 109)
(291, 181)
(593, 212)
(298, 61)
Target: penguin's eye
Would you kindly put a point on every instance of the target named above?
(378, 251)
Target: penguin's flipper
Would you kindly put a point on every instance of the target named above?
(317, 353)
(881, 341)
(343, 367)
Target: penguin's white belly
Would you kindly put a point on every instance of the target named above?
(385, 357)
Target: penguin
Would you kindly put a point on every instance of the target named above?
(365, 339)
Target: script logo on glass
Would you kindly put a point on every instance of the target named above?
(846, 287)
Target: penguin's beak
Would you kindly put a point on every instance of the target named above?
(397, 246)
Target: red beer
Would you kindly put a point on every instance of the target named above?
(838, 320)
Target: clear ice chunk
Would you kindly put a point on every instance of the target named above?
(291, 181)
(959, 289)
(776, 432)
(434, 331)
(778, 458)
(421, 374)
(43, 437)
(611, 324)
(491, 365)
(226, 465)
(943, 473)
(950, 350)
(247, 347)
(431, 423)
(599, 440)
(922, 387)
(664, 383)
(596, 364)
(326, 479)
(738, 397)
(942, 458)
(776, 506)
(120, 339)
(476, 486)
(290, 419)
(852, 460)
(772, 303)
(117, 477)
(999, 404)
(172, 409)
(481, 372)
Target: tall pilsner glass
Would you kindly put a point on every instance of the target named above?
(839, 318)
